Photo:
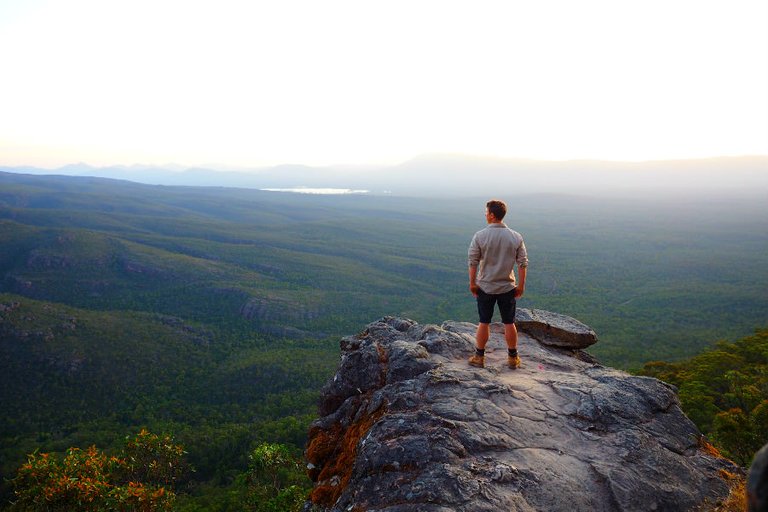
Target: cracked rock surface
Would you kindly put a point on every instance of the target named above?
(407, 425)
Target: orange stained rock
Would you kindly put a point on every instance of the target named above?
(333, 453)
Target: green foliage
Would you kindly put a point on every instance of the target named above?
(80, 377)
(152, 458)
(734, 431)
(653, 276)
(698, 402)
(725, 392)
(267, 461)
(276, 480)
(90, 480)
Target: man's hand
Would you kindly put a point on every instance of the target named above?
(473, 281)
(522, 273)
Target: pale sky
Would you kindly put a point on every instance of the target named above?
(322, 82)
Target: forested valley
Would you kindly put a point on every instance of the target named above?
(213, 315)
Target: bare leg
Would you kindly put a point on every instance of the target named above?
(510, 334)
(483, 333)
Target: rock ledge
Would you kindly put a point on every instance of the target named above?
(406, 425)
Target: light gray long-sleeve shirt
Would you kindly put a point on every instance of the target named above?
(494, 251)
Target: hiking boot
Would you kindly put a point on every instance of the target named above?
(478, 361)
(513, 362)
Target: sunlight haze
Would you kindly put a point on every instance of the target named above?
(241, 84)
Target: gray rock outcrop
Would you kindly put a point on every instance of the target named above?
(757, 482)
(554, 329)
(406, 425)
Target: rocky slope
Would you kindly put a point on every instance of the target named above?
(407, 425)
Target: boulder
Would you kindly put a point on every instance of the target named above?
(757, 482)
(554, 329)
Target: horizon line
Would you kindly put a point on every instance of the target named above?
(425, 156)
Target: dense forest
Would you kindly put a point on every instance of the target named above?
(214, 314)
(725, 392)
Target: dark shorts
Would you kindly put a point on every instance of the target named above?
(507, 306)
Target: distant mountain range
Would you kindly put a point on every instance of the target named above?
(461, 175)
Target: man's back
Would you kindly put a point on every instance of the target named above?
(494, 251)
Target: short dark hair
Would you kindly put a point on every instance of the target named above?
(497, 208)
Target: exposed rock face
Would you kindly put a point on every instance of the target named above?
(757, 482)
(407, 425)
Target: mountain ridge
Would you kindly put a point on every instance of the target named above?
(446, 174)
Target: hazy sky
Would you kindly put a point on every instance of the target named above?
(252, 83)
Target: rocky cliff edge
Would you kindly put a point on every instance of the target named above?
(406, 425)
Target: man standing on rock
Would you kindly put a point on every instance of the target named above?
(492, 256)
